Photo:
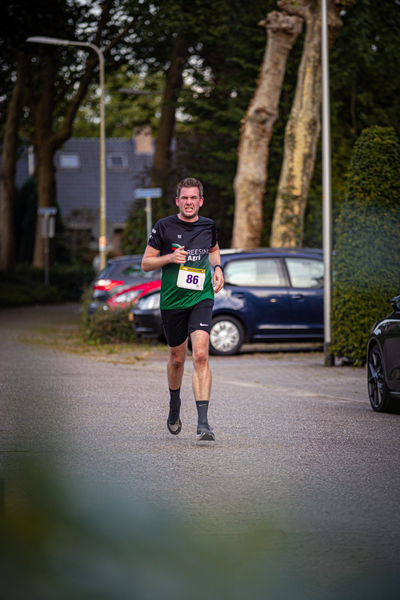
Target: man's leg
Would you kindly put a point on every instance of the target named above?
(175, 367)
(201, 382)
(201, 369)
(176, 331)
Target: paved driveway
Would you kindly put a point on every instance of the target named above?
(299, 452)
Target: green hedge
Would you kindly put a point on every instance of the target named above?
(366, 264)
(18, 290)
(26, 285)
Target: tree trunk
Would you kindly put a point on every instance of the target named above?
(46, 193)
(8, 167)
(45, 146)
(174, 81)
(257, 127)
(303, 126)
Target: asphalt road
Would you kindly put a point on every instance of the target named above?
(298, 452)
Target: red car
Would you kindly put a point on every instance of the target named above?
(121, 283)
(132, 294)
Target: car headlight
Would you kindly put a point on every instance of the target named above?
(150, 302)
(127, 296)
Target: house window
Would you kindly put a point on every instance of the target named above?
(69, 160)
(117, 160)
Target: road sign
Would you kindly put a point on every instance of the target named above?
(148, 193)
(48, 227)
(48, 210)
(47, 230)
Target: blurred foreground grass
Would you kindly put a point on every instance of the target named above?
(62, 541)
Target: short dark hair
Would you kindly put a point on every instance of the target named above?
(188, 183)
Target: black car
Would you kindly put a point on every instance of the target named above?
(122, 274)
(270, 295)
(383, 358)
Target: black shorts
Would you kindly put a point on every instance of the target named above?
(178, 323)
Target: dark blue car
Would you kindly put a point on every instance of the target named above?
(270, 295)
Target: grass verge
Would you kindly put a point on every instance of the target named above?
(64, 331)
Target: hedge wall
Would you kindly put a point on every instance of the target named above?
(366, 264)
(26, 285)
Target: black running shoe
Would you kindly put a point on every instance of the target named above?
(205, 433)
(174, 423)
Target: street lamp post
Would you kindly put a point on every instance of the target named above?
(102, 219)
(326, 185)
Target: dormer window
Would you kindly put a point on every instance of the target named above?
(69, 160)
(117, 160)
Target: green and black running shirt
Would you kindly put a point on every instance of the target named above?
(198, 237)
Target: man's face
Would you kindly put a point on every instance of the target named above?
(189, 203)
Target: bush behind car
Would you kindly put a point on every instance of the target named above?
(366, 264)
(109, 326)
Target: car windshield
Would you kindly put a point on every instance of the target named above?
(123, 270)
(104, 272)
(135, 270)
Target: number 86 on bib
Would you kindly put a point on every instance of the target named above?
(191, 279)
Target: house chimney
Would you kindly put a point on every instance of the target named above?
(143, 140)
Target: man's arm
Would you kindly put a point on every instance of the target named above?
(218, 277)
(152, 259)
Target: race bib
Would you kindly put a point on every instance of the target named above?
(191, 279)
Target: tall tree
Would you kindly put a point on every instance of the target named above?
(46, 136)
(219, 78)
(8, 168)
(257, 127)
(220, 84)
(58, 76)
(304, 124)
(132, 101)
(173, 83)
(364, 91)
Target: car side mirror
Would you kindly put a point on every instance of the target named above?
(395, 302)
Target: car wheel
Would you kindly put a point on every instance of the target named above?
(379, 395)
(226, 335)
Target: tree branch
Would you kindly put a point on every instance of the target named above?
(102, 21)
(300, 8)
(65, 131)
(121, 35)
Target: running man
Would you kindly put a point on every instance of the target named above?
(185, 245)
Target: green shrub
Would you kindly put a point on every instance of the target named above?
(18, 290)
(109, 326)
(70, 280)
(134, 235)
(26, 285)
(366, 264)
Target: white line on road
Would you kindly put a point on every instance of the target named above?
(289, 390)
